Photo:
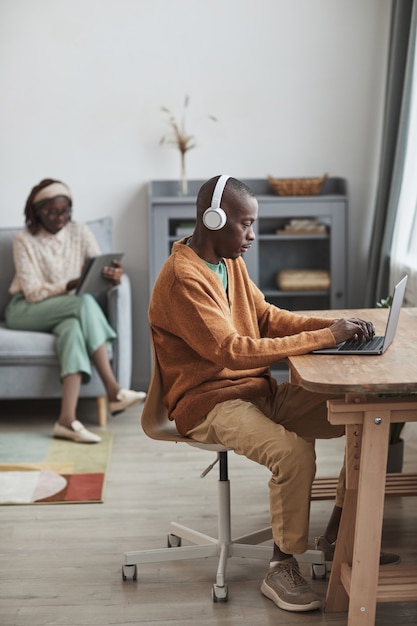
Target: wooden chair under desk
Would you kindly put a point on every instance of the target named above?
(356, 583)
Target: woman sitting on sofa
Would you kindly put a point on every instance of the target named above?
(49, 255)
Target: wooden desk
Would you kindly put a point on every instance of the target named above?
(356, 583)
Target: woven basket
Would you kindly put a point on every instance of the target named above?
(297, 186)
(303, 280)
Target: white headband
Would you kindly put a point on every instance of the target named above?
(52, 191)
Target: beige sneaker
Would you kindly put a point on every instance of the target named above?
(284, 585)
(125, 399)
(77, 432)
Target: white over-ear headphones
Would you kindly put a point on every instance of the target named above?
(214, 218)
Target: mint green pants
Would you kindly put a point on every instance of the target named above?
(278, 432)
(78, 323)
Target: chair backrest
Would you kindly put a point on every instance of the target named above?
(155, 421)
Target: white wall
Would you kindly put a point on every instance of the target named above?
(297, 86)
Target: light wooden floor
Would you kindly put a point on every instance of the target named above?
(61, 564)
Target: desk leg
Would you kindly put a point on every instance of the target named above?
(362, 515)
(370, 506)
(337, 598)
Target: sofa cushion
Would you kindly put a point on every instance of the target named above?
(17, 346)
(102, 230)
(7, 266)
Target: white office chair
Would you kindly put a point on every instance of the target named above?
(156, 425)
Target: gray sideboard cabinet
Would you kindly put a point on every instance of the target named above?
(277, 246)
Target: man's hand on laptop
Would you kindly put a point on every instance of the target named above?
(346, 328)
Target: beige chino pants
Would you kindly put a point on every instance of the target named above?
(277, 432)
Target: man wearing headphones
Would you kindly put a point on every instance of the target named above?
(215, 344)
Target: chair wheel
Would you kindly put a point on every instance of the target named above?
(173, 541)
(318, 571)
(219, 594)
(129, 571)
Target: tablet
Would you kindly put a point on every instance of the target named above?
(91, 280)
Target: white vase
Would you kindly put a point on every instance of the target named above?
(183, 177)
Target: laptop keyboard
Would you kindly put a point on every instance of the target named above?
(354, 344)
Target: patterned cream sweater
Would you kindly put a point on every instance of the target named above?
(212, 346)
(45, 263)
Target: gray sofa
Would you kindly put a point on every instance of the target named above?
(29, 365)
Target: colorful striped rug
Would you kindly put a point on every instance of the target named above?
(35, 468)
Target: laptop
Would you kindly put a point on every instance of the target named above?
(378, 344)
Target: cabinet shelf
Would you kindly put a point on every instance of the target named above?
(304, 237)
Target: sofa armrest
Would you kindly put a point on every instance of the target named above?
(119, 312)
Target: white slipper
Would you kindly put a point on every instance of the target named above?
(77, 432)
(125, 399)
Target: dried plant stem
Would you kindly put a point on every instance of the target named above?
(179, 138)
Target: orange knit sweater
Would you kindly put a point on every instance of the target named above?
(212, 346)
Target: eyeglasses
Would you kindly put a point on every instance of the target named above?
(53, 214)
